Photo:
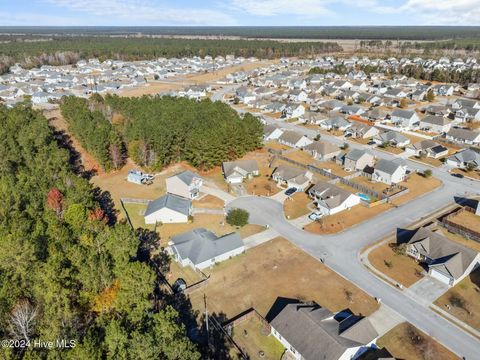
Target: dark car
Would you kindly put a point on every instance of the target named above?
(290, 191)
(460, 176)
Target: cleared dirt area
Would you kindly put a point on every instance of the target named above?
(300, 156)
(376, 186)
(277, 269)
(333, 167)
(262, 185)
(209, 202)
(343, 220)
(401, 268)
(463, 300)
(296, 205)
(407, 342)
(214, 223)
(252, 338)
(468, 220)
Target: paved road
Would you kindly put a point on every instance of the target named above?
(341, 251)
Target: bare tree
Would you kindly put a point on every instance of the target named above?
(115, 156)
(22, 320)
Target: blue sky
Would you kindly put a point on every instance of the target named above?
(238, 12)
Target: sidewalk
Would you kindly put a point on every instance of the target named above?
(260, 238)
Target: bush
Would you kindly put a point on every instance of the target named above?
(237, 217)
(427, 173)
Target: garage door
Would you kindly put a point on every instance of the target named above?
(439, 276)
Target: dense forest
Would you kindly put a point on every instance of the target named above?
(158, 131)
(67, 271)
(68, 50)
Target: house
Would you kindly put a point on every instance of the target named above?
(447, 261)
(297, 96)
(292, 177)
(467, 114)
(436, 124)
(391, 137)
(464, 136)
(443, 90)
(428, 148)
(201, 248)
(322, 150)
(460, 103)
(360, 130)
(389, 171)
(167, 209)
(376, 114)
(356, 159)
(465, 159)
(293, 111)
(294, 139)
(245, 95)
(186, 184)
(272, 132)
(336, 123)
(235, 172)
(310, 332)
(331, 199)
(395, 93)
(404, 118)
(352, 110)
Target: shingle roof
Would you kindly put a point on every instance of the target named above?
(330, 195)
(244, 166)
(435, 120)
(389, 166)
(170, 201)
(200, 245)
(465, 134)
(356, 154)
(322, 147)
(291, 137)
(406, 114)
(187, 176)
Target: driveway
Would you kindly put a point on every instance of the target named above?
(427, 290)
(226, 197)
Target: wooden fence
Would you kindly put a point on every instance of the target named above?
(457, 228)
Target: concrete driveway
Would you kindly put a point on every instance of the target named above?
(427, 290)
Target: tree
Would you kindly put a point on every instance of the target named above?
(22, 320)
(55, 200)
(427, 173)
(237, 217)
(430, 95)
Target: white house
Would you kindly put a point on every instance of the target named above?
(168, 209)
(293, 111)
(466, 136)
(436, 124)
(186, 184)
(331, 199)
(272, 132)
(294, 139)
(404, 118)
(389, 171)
(235, 172)
(292, 177)
(466, 158)
(201, 248)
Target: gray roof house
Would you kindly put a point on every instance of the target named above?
(292, 176)
(404, 118)
(390, 171)
(311, 332)
(294, 139)
(464, 136)
(428, 148)
(168, 208)
(392, 137)
(361, 130)
(322, 150)
(464, 159)
(437, 124)
(336, 123)
(186, 184)
(201, 248)
(356, 159)
(331, 199)
(447, 261)
(235, 172)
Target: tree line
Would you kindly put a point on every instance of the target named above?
(157, 131)
(67, 271)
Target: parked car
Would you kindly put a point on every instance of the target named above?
(290, 191)
(460, 176)
(371, 142)
(315, 216)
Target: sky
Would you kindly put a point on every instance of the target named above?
(238, 12)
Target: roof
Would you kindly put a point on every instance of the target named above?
(200, 245)
(170, 201)
(313, 330)
(466, 156)
(425, 144)
(187, 176)
(389, 166)
(330, 195)
(356, 154)
(242, 167)
(465, 134)
(406, 114)
(392, 135)
(322, 147)
(448, 257)
(435, 120)
(290, 173)
(291, 137)
(269, 129)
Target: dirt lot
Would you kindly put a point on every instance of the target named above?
(276, 146)
(407, 342)
(427, 160)
(334, 223)
(464, 300)
(391, 149)
(376, 186)
(277, 269)
(333, 167)
(262, 185)
(297, 205)
(209, 202)
(214, 223)
(468, 220)
(399, 267)
(250, 335)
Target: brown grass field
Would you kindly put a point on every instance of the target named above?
(464, 300)
(418, 186)
(277, 269)
(209, 202)
(401, 268)
(407, 342)
(296, 205)
(468, 220)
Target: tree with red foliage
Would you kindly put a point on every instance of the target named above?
(55, 200)
(98, 214)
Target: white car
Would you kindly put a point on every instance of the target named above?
(315, 216)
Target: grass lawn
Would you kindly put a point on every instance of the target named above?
(464, 300)
(401, 268)
(209, 202)
(277, 269)
(251, 337)
(301, 156)
(407, 342)
(276, 146)
(375, 186)
(334, 223)
(135, 213)
(262, 185)
(296, 205)
(427, 160)
(186, 273)
(333, 167)
(391, 149)
(418, 186)
(468, 220)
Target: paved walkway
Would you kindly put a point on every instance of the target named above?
(218, 193)
(301, 221)
(260, 238)
(385, 319)
(197, 210)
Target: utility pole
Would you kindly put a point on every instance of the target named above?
(206, 319)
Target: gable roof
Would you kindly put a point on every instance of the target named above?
(242, 167)
(405, 114)
(187, 176)
(464, 134)
(291, 137)
(313, 330)
(200, 245)
(356, 154)
(389, 166)
(169, 201)
(322, 147)
(435, 120)
(330, 195)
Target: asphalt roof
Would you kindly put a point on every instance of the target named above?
(170, 201)
(187, 176)
(389, 166)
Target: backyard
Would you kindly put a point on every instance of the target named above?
(277, 269)
(467, 219)
(208, 202)
(136, 214)
(395, 265)
(407, 342)
(463, 300)
(418, 185)
(186, 273)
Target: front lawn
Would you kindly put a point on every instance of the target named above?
(296, 205)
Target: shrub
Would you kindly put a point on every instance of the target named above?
(427, 173)
(237, 217)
